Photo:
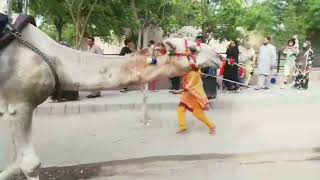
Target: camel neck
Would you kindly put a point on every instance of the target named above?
(81, 70)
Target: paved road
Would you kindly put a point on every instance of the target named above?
(208, 170)
(250, 121)
(245, 168)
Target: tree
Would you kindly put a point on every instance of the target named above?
(227, 19)
(110, 20)
(80, 12)
(215, 18)
(165, 14)
(53, 12)
(17, 6)
(313, 11)
(258, 16)
(293, 24)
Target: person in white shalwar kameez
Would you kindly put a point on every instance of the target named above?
(266, 60)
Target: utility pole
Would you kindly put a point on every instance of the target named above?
(25, 9)
(9, 13)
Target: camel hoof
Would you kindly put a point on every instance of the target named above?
(9, 172)
(30, 166)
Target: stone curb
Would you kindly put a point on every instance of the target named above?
(84, 109)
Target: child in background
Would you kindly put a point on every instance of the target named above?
(291, 52)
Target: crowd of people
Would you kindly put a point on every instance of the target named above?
(236, 75)
(296, 66)
(200, 85)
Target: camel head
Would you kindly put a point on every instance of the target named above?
(158, 62)
(204, 55)
(151, 64)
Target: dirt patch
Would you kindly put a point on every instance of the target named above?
(66, 173)
(87, 171)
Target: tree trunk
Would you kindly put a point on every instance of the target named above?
(134, 10)
(135, 15)
(80, 20)
(59, 23)
(78, 35)
(145, 36)
(59, 34)
(139, 44)
(204, 33)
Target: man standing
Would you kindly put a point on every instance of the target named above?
(151, 44)
(129, 47)
(95, 49)
(125, 50)
(153, 84)
(267, 59)
(249, 60)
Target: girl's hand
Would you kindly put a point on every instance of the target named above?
(207, 107)
(180, 91)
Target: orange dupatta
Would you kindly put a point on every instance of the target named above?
(194, 95)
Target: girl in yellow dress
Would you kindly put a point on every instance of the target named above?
(195, 100)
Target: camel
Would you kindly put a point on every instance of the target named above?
(27, 81)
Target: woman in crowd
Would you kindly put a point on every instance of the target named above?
(291, 52)
(231, 67)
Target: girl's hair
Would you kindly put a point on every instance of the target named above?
(293, 41)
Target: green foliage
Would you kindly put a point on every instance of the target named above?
(53, 13)
(17, 6)
(227, 19)
(312, 15)
(49, 29)
(258, 17)
(293, 24)
(109, 20)
(280, 19)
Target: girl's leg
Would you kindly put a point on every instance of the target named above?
(199, 113)
(285, 82)
(182, 119)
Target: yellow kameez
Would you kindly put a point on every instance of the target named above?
(193, 99)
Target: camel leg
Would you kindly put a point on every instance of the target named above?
(20, 120)
(11, 169)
